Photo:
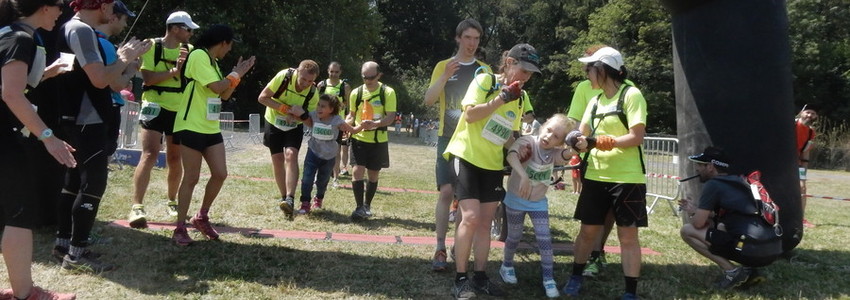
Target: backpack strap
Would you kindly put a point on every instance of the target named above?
(185, 80)
(158, 53)
(323, 86)
(621, 114)
(286, 80)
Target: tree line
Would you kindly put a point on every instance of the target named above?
(409, 37)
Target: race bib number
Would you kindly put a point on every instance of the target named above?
(213, 108)
(284, 122)
(497, 130)
(323, 132)
(149, 111)
(539, 173)
(802, 173)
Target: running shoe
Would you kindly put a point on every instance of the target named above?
(172, 208)
(488, 288)
(593, 268)
(452, 216)
(203, 225)
(86, 265)
(305, 208)
(344, 172)
(573, 286)
(509, 275)
(138, 217)
(287, 206)
(463, 290)
(733, 278)
(808, 224)
(756, 277)
(629, 296)
(181, 237)
(367, 209)
(317, 203)
(59, 253)
(359, 214)
(551, 289)
(39, 294)
(336, 183)
(439, 264)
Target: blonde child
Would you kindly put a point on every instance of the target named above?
(526, 194)
(322, 149)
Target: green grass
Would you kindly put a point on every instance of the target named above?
(243, 267)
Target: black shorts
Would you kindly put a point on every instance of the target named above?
(472, 182)
(163, 123)
(374, 156)
(17, 184)
(277, 140)
(442, 169)
(627, 200)
(722, 243)
(197, 141)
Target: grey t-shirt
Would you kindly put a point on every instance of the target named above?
(83, 41)
(323, 136)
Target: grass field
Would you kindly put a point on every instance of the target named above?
(246, 267)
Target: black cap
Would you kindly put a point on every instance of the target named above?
(527, 57)
(120, 8)
(712, 155)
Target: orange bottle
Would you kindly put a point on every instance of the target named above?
(366, 112)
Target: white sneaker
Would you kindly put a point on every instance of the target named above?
(551, 289)
(508, 274)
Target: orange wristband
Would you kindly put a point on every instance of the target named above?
(234, 81)
(283, 109)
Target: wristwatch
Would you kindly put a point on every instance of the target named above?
(45, 134)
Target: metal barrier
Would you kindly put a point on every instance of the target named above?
(661, 157)
(226, 122)
(254, 128)
(128, 136)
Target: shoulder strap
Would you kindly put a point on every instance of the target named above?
(157, 51)
(493, 86)
(359, 99)
(283, 85)
(308, 97)
(323, 85)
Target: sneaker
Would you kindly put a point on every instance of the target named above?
(172, 208)
(463, 290)
(452, 216)
(287, 206)
(509, 274)
(551, 289)
(181, 237)
(594, 266)
(488, 288)
(59, 253)
(85, 264)
(359, 214)
(808, 224)
(138, 217)
(336, 183)
(629, 296)
(305, 208)
(344, 172)
(38, 294)
(756, 277)
(573, 286)
(439, 263)
(367, 209)
(317, 203)
(732, 279)
(203, 225)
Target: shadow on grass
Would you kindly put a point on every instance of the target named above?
(376, 222)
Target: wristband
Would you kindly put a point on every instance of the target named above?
(304, 116)
(283, 109)
(235, 75)
(513, 151)
(234, 79)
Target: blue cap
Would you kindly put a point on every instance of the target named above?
(120, 8)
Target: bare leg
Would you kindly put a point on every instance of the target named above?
(17, 254)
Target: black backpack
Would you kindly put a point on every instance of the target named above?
(157, 58)
(622, 116)
(359, 100)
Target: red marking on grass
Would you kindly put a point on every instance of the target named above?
(363, 238)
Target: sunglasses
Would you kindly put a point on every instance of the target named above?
(370, 77)
(587, 68)
(186, 28)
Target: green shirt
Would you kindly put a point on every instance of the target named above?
(289, 97)
(379, 110)
(581, 96)
(167, 100)
(480, 143)
(621, 165)
(200, 108)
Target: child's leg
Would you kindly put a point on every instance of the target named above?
(323, 176)
(540, 220)
(311, 164)
(515, 220)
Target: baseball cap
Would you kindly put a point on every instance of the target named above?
(120, 8)
(607, 55)
(181, 17)
(711, 155)
(527, 57)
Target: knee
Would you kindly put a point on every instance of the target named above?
(218, 175)
(190, 179)
(470, 219)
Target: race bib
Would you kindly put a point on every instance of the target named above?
(323, 132)
(539, 173)
(284, 122)
(213, 108)
(149, 111)
(802, 173)
(497, 130)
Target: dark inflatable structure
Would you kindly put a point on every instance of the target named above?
(732, 65)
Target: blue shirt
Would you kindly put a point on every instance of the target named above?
(111, 55)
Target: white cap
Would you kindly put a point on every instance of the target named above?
(181, 17)
(607, 55)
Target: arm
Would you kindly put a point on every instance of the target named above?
(101, 76)
(438, 83)
(633, 138)
(348, 128)
(308, 121)
(518, 169)
(700, 218)
(13, 95)
(226, 86)
(121, 81)
(475, 113)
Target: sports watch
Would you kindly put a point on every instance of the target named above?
(45, 134)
